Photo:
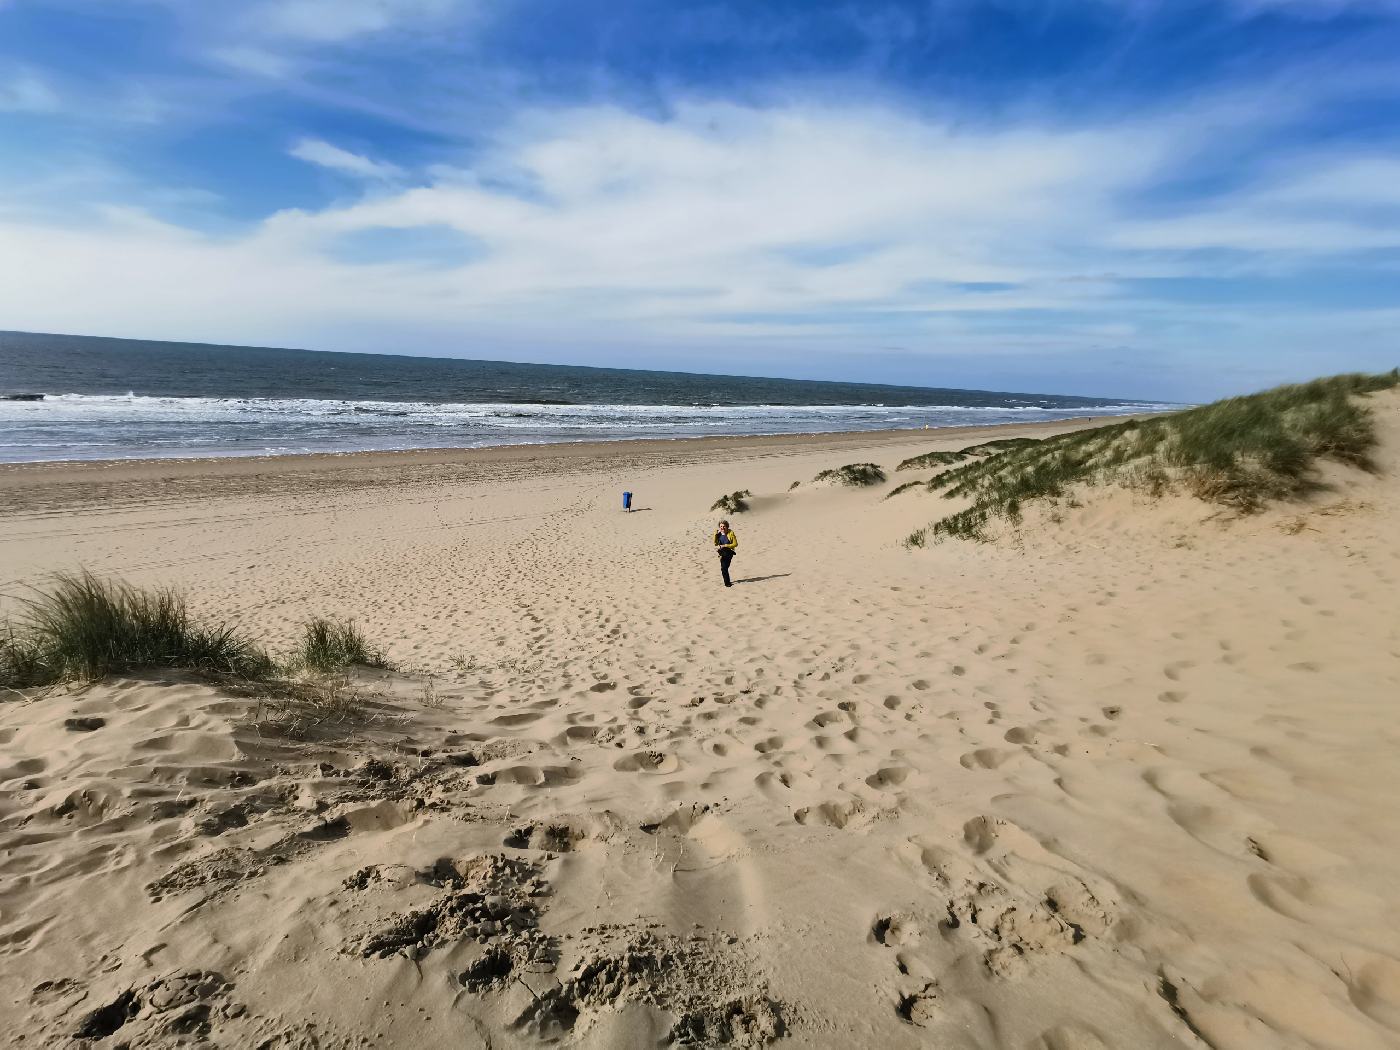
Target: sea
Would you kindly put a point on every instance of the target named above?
(86, 398)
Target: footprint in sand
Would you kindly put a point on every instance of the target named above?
(896, 930)
(980, 833)
(986, 758)
(1374, 988)
(888, 778)
(511, 721)
(1173, 670)
(648, 762)
(767, 781)
(920, 1008)
(830, 814)
(536, 776)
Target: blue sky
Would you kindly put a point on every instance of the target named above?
(1156, 198)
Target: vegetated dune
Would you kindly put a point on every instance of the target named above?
(1123, 777)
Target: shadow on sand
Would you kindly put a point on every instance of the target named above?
(760, 579)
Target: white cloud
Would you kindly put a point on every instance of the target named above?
(332, 21)
(260, 62)
(1317, 8)
(27, 93)
(1333, 205)
(325, 155)
(795, 227)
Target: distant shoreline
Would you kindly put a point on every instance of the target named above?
(254, 463)
(43, 489)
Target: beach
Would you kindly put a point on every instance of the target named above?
(1123, 777)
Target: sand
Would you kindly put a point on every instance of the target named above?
(1124, 777)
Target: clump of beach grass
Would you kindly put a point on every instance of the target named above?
(21, 660)
(931, 459)
(332, 645)
(854, 474)
(1242, 453)
(733, 503)
(906, 487)
(986, 448)
(83, 628)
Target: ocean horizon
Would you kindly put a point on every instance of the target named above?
(90, 398)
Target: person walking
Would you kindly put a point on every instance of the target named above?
(726, 543)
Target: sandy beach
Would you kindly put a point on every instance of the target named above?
(1124, 777)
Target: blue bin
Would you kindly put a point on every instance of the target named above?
(627, 501)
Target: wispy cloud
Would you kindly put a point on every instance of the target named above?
(1317, 8)
(325, 155)
(259, 61)
(332, 21)
(783, 228)
(26, 92)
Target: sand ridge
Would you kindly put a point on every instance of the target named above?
(1124, 780)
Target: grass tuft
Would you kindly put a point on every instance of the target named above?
(1243, 452)
(906, 487)
(931, 459)
(854, 474)
(733, 503)
(333, 645)
(85, 628)
(986, 448)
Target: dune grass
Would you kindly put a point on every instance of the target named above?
(906, 487)
(931, 459)
(854, 474)
(733, 503)
(1242, 452)
(332, 645)
(986, 448)
(84, 628)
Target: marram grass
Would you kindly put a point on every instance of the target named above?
(733, 502)
(986, 448)
(83, 628)
(1242, 452)
(854, 474)
(331, 645)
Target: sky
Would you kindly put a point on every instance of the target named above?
(1165, 199)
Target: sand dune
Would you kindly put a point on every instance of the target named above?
(1122, 780)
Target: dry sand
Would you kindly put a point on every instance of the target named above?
(1127, 779)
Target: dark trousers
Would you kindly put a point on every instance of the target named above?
(725, 557)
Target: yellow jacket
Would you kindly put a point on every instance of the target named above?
(727, 540)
